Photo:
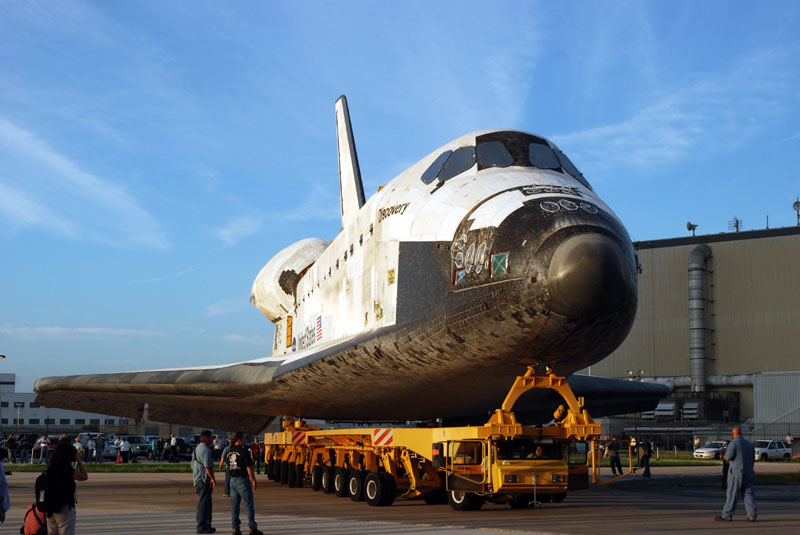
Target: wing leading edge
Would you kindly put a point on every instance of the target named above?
(227, 397)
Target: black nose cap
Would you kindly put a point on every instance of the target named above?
(587, 276)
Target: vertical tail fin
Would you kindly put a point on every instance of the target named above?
(351, 189)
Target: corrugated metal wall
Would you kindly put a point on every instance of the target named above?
(754, 286)
(776, 397)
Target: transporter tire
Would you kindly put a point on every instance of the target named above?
(355, 485)
(291, 476)
(787, 457)
(435, 497)
(764, 457)
(270, 469)
(465, 501)
(300, 475)
(390, 489)
(316, 478)
(557, 498)
(276, 471)
(379, 489)
(523, 501)
(340, 476)
(327, 479)
(284, 472)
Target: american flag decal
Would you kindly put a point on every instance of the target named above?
(319, 328)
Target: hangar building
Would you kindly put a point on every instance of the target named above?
(719, 320)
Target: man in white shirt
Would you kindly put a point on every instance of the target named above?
(89, 451)
(173, 448)
(42, 444)
(125, 449)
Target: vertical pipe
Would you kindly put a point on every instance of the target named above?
(697, 313)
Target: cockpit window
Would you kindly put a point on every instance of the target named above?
(493, 154)
(543, 157)
(570, 168)
(458, 162)
(501, 149)
(433, 171)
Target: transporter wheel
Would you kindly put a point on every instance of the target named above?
(557, 498)
(291, 477)
(787, 457)
(340, 476)
(523, 501)
(284, 472)
(390, 488)
(764, 457)
(355, 485)
(435, 497)
(379, 489)
(465, 501)
(276, 471)
(316, 478)
(270, 468)
(300, 475)
(716, 455)
(327, 479)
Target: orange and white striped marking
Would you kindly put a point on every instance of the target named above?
(382, 437)
(299, 437)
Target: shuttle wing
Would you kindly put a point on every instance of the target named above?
(229, 397)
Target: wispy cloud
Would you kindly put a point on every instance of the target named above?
(238, 229)
(75, 333)
(227, 306)
(715, 112)
(164, 277)
(23, 211)
(319, 203)
(248, 339)
(128, 218)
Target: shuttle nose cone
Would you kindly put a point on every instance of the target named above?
(587, 276)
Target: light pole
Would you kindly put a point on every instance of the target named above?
(18, 405)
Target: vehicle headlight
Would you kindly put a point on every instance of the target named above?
(510, 478)
(557, 478)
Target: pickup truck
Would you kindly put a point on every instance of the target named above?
(772, 450)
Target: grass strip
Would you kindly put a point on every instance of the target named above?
(111, 467)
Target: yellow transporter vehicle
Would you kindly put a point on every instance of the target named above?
(501, 461)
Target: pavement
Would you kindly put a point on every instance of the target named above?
(675, 499)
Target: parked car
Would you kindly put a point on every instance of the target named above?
(712, 450)
(772, 450)
(138, 446)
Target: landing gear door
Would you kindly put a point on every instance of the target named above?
(577, 456)
(465, 465)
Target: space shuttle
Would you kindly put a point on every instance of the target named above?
(491, 254)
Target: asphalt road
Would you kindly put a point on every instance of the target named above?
(674, 500)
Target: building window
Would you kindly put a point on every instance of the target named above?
(94, 421)
(79, 421)
(123, 421)
(33, 421)
(3, 403)
(33, 405)
(4, 421)
(109, 421)
(64, 421)
(19, 421)
(50, 421)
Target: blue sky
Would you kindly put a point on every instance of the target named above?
(154, 155)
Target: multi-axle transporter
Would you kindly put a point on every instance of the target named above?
(501, 461)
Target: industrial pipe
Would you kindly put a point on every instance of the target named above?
(697, 313)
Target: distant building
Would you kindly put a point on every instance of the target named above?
(730, 345)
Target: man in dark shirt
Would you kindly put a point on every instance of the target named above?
(612, 452)
(243, 483)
